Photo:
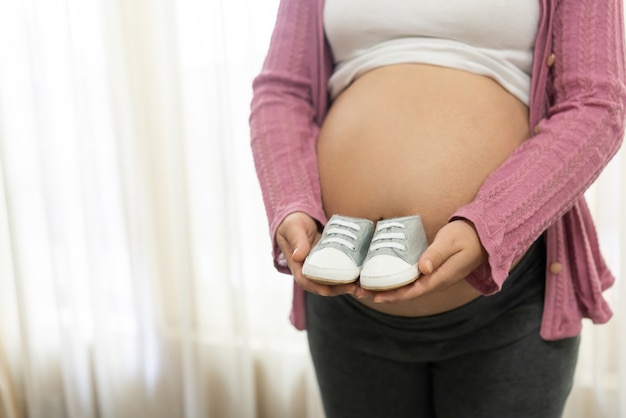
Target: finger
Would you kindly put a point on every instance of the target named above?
(414, 290)
(343, 289)
(420, 287)
(300, 251)
(312, 287)
(294, 245)
(295, 261)
(436, 255)
(319, 288)
(361, 293)
(325, 290)
(455, 268)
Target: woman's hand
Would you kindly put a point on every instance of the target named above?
(455, 252)
(296, 236)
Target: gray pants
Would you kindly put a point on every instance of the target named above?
(482, 360)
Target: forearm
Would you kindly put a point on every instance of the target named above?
(581, 131)
(283, 126)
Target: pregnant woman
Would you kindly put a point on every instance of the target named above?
(487, 119)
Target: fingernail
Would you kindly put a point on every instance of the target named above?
(429, 266)
(294, 252)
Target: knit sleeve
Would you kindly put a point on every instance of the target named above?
(581, 132)
(282, 120)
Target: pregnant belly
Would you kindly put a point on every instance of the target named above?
(416, 139)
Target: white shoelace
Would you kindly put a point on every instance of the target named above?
(343, 232)
(388, 236)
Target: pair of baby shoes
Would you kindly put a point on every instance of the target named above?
(384, 255)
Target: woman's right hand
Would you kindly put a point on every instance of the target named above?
(296, 236)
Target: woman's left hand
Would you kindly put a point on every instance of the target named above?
(455, 252)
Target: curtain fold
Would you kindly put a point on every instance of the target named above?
(135, 265)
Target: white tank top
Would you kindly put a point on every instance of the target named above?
(494, 38)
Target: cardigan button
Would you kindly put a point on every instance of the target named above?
(556, 268)
(551, 60)
(537, 129)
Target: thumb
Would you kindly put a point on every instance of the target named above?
(435, 255)
(301, 248)
(294, 244)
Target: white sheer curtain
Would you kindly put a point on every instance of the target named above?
(135, 271)
(600, 385)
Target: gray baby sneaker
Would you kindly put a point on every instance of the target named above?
(392, 257)
(338, 256)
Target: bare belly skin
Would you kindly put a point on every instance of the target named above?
(416, 139)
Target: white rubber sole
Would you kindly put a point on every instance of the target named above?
(329, 281)
(330, 276)
(390, 282)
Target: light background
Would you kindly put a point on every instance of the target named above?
(135, 269)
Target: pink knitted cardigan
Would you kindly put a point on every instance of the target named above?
(577, 106)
